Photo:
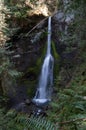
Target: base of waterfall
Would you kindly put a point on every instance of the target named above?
(41, 102)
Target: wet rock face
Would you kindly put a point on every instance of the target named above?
(61, 24)
(44, 7)
(27, 50)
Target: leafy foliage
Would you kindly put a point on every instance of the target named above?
(70, 109)
(37, 123)
(75, 33)
(14, 121)
(7, 72)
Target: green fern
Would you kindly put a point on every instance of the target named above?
(36, 123)
(71, 108)
(14, 121)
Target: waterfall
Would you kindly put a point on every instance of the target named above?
(44, 90)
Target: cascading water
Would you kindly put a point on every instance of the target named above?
(43, 93)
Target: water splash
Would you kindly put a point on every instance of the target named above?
(43, 93)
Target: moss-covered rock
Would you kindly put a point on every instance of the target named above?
(56, 59)
(30, 77)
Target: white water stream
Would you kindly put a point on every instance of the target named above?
(43, 93)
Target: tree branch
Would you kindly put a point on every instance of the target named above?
(40, 23)
(74, 120)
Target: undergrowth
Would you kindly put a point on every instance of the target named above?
(19, 121)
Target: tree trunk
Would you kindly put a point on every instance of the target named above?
(3, 37)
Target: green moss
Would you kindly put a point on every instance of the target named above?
(40, 60)
(56, 59)
(55, 54)
(32, 70)
(31, 88)
(35, 71)
(30, 85)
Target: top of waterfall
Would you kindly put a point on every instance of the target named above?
(49, 36)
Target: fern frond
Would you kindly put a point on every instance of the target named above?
(36, 123)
